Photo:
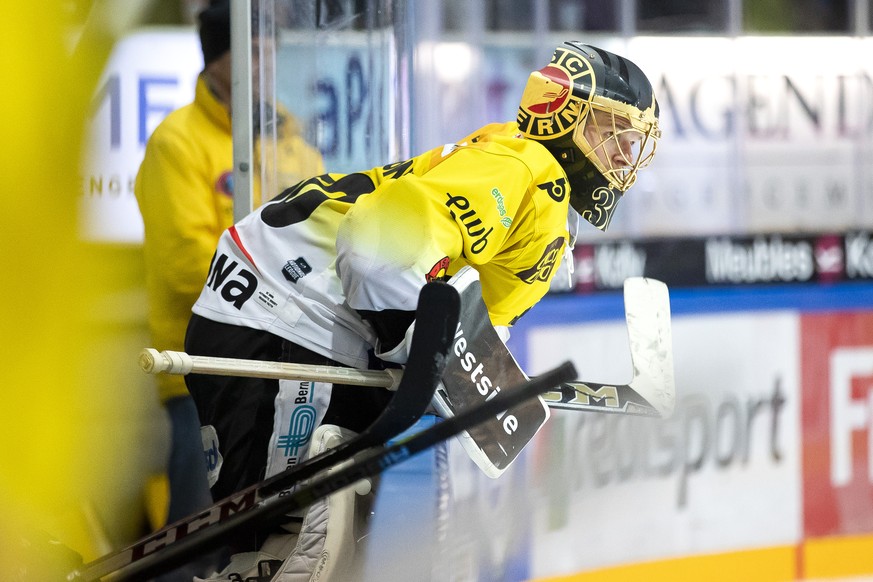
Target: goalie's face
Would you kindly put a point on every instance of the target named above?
(617, 146)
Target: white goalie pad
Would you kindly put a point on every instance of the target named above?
(478, 367)
(325, 545)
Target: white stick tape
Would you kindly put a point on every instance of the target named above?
(180, 363)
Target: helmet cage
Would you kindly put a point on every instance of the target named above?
(616, 141)
(596, 113)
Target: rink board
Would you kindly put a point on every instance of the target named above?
(764, 467)
(766, 459)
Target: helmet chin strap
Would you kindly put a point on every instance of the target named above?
(565, 156)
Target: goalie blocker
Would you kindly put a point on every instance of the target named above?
(478, 366)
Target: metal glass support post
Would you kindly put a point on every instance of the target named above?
(241, 106)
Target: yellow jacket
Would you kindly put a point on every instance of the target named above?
(184, 189)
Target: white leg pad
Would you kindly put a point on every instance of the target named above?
(325, 548)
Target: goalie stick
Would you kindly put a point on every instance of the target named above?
(436, 320)
(369, 464)
(651, 391)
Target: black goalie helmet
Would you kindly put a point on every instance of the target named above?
(596, 113)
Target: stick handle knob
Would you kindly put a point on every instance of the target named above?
(154, 362)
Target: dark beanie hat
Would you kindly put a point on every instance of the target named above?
(215, 30)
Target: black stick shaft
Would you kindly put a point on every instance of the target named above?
(436, 320)
(369, 465)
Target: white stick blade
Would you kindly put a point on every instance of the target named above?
(647, 310)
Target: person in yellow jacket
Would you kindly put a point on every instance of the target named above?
(329, 271)
(184, 189)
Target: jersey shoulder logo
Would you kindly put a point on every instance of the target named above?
(557, 189)
(438, 271)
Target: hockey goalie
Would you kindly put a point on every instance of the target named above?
(329, 273)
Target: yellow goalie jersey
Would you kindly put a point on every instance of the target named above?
(302, 265)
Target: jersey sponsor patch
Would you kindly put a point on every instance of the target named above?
(543, 269)
(505, 220)
(296, 269)
(235, 284)
(299, 409)
(469, 219)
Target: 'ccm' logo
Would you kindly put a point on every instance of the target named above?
(606, 396)
(848, 413)
(236, 290)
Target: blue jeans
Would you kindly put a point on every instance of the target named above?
(186, 469)
(189, 487)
